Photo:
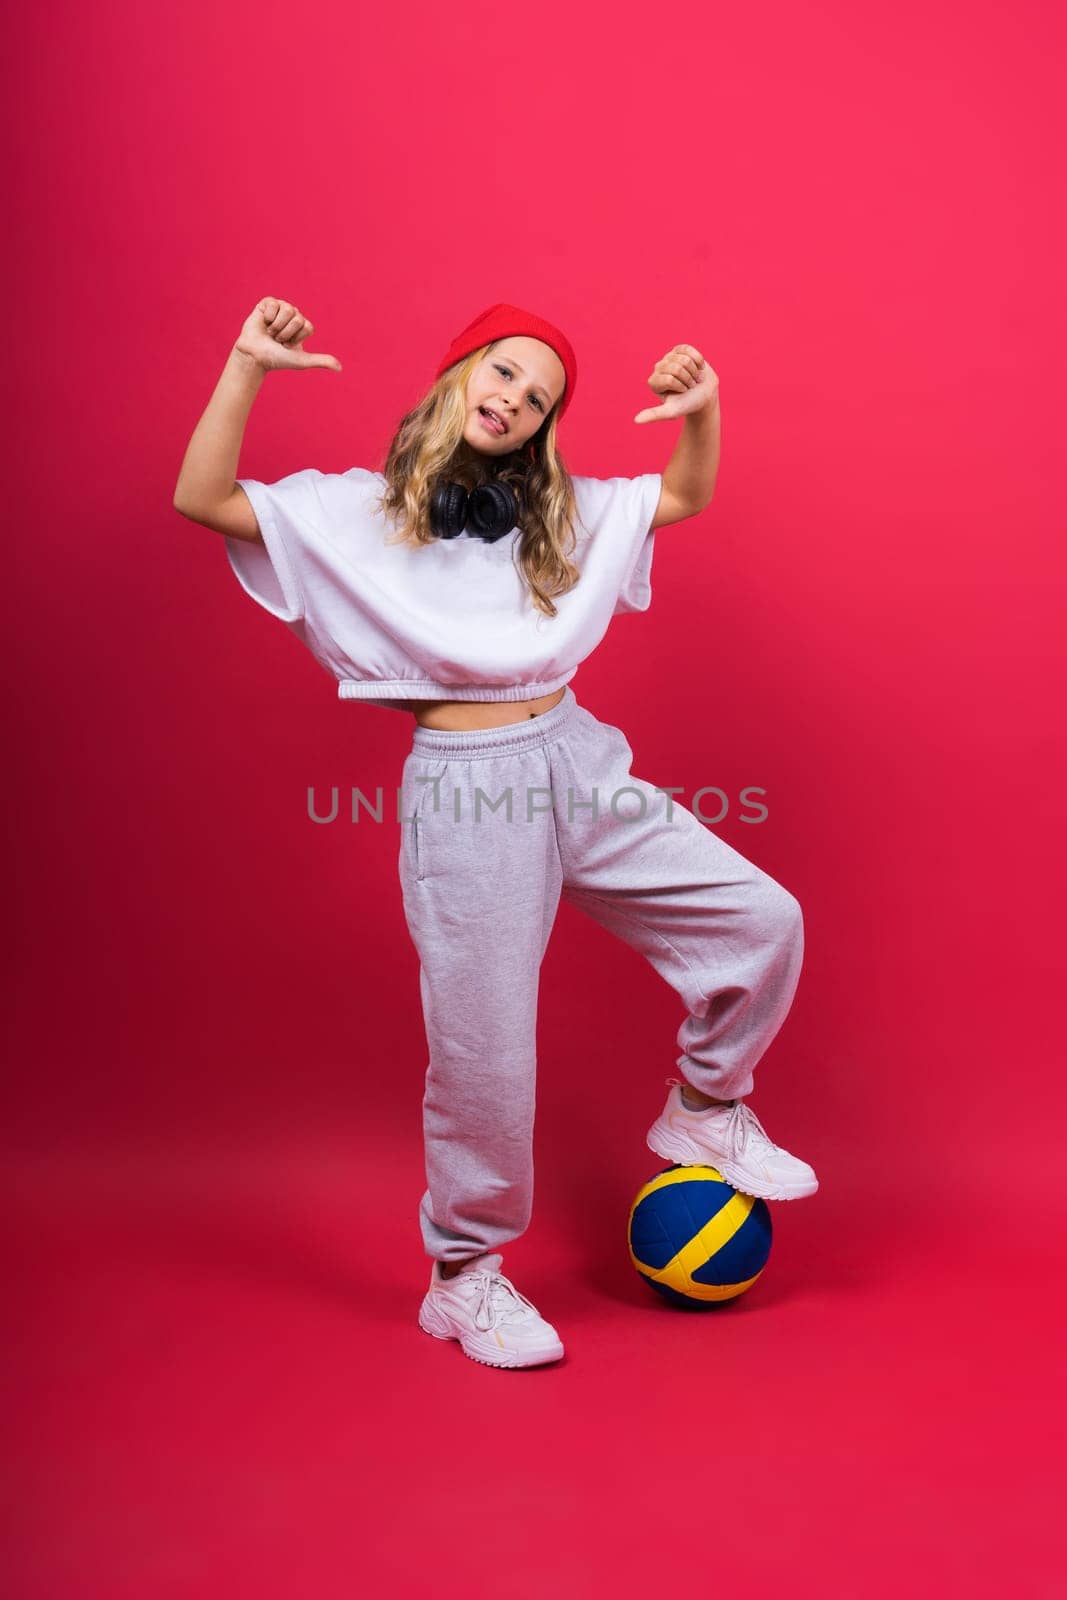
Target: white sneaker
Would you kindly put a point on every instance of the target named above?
(733, 1141)
(493, 1322)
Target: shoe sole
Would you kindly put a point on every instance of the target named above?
(435, 1323)
(674, 1146)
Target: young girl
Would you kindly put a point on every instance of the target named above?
(464, 584)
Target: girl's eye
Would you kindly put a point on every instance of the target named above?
(536, 398)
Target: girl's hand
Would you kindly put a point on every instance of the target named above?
(687, 382)
(272, 335)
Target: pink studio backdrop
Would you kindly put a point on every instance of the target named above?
(214, 1040)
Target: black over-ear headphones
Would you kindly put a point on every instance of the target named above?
(488, 512)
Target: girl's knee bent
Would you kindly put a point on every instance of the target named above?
(778, 913)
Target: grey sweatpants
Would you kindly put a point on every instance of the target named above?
(497, 823)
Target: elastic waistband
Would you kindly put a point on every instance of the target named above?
(512, 736)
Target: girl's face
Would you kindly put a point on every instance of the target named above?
(520, 380)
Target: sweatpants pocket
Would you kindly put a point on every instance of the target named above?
(421, 787)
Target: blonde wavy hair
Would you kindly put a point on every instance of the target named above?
(429, 445)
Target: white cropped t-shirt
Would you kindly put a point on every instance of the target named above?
(448, 620)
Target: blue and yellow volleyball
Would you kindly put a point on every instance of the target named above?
(696, 1240)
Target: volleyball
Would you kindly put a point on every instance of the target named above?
(696, 1240)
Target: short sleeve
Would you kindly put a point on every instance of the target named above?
(290, 518)
(617, 515)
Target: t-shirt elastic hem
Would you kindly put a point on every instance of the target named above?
(427, 689)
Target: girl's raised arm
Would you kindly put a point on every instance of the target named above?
(206, 490)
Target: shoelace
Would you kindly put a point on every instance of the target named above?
(742, 1128)
(498, 1300)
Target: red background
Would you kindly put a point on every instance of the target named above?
(212, 1146)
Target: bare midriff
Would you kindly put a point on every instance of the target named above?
(462, 715)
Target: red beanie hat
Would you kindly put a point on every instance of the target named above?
(502, 322)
